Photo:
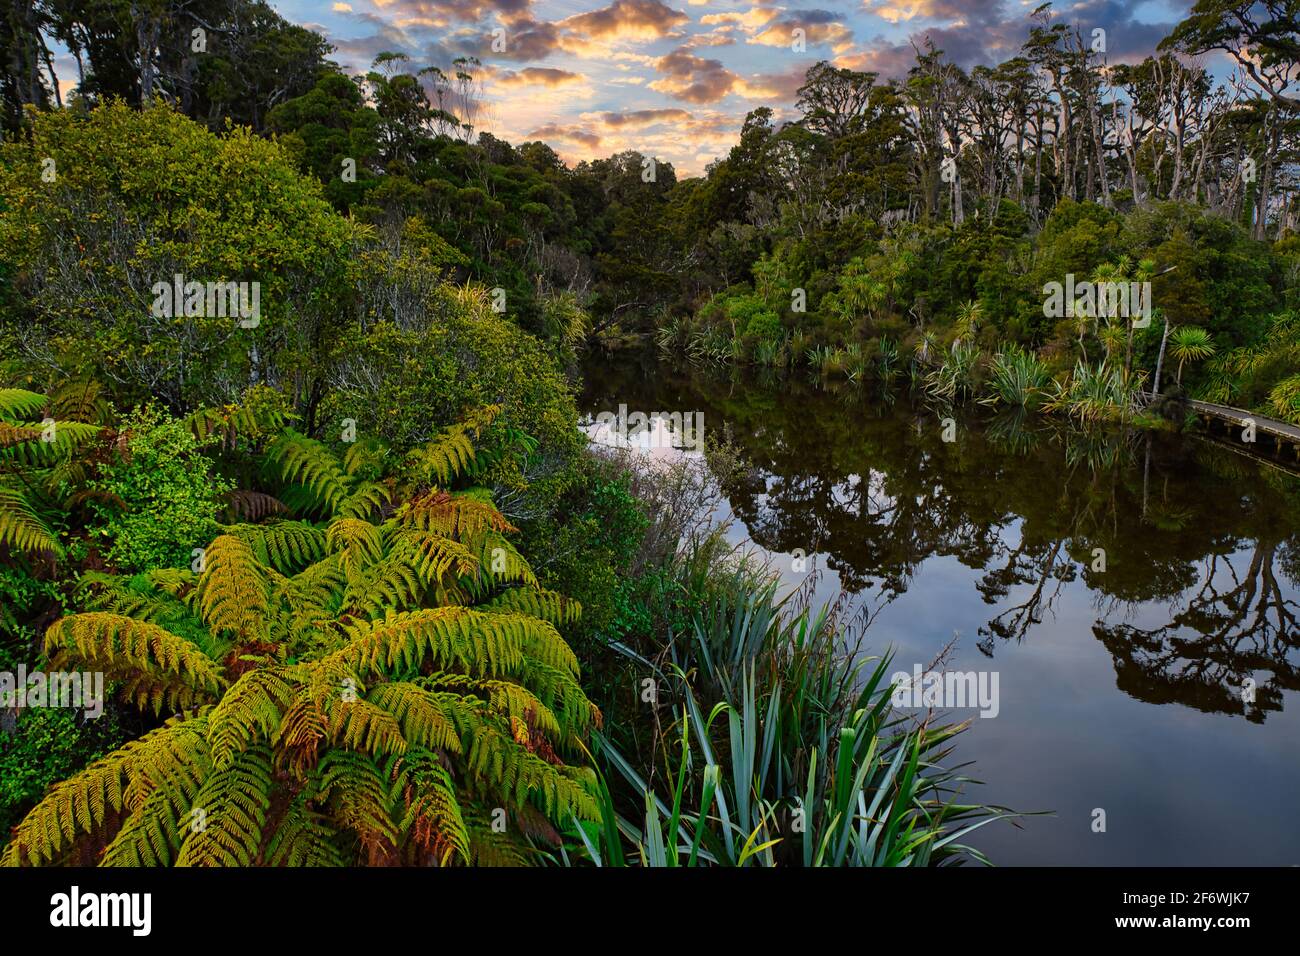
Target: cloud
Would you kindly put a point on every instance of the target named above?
(445, 11)
(818, 26)
(639, 119)
(572, 134)
(750, 20)
(534, 76)
(627, 20)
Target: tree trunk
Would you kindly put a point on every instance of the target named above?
(1160, 360)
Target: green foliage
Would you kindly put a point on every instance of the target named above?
(782, 749)
(139, 198)
(351, 709)
(162, 496)
(46, 745)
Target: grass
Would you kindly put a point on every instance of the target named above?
(779, 746)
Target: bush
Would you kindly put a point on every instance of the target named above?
(160, 500)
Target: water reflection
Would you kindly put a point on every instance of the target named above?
(1157, 528)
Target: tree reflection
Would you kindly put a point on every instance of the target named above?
(1200, 538)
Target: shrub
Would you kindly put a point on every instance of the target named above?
(160, 499)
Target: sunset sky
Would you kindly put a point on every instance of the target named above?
(675, 78)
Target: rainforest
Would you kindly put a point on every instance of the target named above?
(331, 451)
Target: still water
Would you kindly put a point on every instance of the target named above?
(1125, 588)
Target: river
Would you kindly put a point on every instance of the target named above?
(1136, 595)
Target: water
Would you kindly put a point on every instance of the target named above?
(1126, 588)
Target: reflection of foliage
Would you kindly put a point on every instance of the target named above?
(1220, 639)
(877, 492)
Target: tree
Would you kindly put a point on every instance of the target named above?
(1189, 343)
(1261, 36)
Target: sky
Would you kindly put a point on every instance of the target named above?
(675, 78)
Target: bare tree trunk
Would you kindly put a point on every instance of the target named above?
(1160, 360)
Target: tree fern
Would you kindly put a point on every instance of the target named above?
(334, 706)
(21, 528)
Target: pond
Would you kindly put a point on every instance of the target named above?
(1133, 596)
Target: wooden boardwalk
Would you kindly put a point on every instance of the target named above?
(1283, 434)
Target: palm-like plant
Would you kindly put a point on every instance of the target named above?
(1189, 343)
(384, 685)
(969, 315)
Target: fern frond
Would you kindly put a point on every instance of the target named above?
(287, 546)
(18, 404)
(234, 800)
(461, 516)
(85, 804)
(303, 837)
(51, 446)
(432, 821)
(306, 462)
(233, 591)
(22, 529)
(161, 662)
(359, 798)
(249, 712)
(247, 505)
(550, 606)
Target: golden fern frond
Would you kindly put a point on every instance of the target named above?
(498, 760)
(442, 460)
(287, 546)
(453, 637)
(314, 593)
(461, 516)
(359, 543)
(85, 804)
(367, 499)
(152, 657)
(561, 692)
(160, 797)
(432, 821)
(503, 697)
(430, 554)
(248, 712)
(174, 581)
(22, 529)
(359, 798)
(234, 801)
(550, 606)
(393, 584)
(149, 837)
(363, 725)
(499, 563)
(233, 591)
(420, 715)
